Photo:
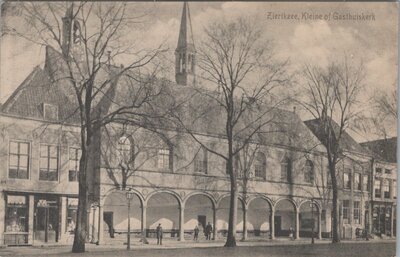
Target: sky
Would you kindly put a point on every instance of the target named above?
(301, 41)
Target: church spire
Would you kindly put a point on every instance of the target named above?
(185, 53)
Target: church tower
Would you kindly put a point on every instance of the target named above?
(71, 33)
(185, 53)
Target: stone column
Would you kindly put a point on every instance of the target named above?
(143, 221)
(31, 219)
(214, 223)
(2, 216)
(272, 223)
(63, 236)
(181, 223)
(94, 225)
(319, 224)
(244, 237)
(297, 223)
(100, 226)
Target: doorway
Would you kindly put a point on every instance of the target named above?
(46, 220)
(278, 225)
(108, 218)
(202, 219)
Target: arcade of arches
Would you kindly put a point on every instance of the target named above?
(263, 218)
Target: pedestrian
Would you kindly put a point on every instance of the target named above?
(209, 230)
(159, 232)
(196, 233)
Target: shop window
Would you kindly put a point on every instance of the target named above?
(19, 160)
(260, 166)
(74, 157)
(16, 214)
(72, 207)
(309, 172)
(357, 212)
(48, 163)
(201, 161)
(346, 211)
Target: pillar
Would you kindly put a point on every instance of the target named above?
(63, 236)
(319, 224)
(297, 223)
(31, 219)
(100, 226)
(272, 223)
(181, 223)
(94, 225)
(214, 237)
(244, 223)
(2, 216)
(144, 220)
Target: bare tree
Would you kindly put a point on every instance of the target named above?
(238, 66)
(331, 95)
(86, 41)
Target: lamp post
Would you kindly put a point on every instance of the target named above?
(129, 197)
(313, 222)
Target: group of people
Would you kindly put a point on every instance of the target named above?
(207, 232)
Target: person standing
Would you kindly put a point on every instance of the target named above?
(209, 229)
(196, 233)
(159, 232)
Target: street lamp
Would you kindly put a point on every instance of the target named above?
(313, 222)
(129, 195)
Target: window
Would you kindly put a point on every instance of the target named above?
(309, 172)
(201, 161)
(394, 189)
(366, 186)
(125, 151)
(386, 189)
(387, 171)
(346, 180)
(286, 170)
(346, 211)
(50, 111)
(74, 157)
(19, 160)
(163, 159)
(16, 214)
(48, 163)
(357, 181)
(377, 188)
(328, 177)
(260, 166)
(72, 207)
(237, 166)
(378, 170)
(357, 212)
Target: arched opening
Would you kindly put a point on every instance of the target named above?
(308, 218)
(258, 218)
(163, 208)
(223, 217)
(115, 216)
(285, 217)
(198, 211)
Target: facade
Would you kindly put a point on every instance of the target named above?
(169, 179)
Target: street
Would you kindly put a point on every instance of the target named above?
(353, 249)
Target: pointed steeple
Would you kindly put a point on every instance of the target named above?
(185, 53)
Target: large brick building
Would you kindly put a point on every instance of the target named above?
(173, 180)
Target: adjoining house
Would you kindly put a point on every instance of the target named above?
(166, 177)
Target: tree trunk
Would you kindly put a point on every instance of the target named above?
(231, 239)
(244, 237)
(335, 225)
(81, 223)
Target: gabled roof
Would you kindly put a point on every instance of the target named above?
(384, 149)
(347, 143)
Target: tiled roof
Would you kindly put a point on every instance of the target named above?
(384, 149)
(346, 142)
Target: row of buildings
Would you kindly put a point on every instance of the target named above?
(173, 180)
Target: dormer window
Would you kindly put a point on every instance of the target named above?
(50, 111)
